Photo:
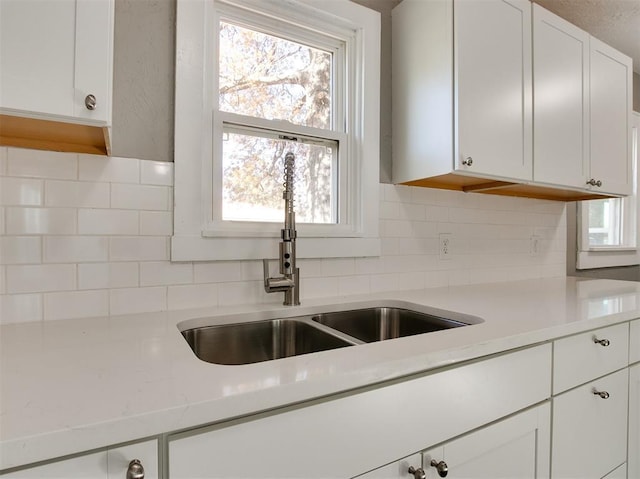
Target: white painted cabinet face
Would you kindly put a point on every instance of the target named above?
(589, 430)
(395, 470)
(560, 100)
(110, 464)
(515, 448)
(610, 118)
(634, 422)
(634, 342)
(493, 73)
(53, 55)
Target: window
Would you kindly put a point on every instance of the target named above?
(608, 228)
(255, 80)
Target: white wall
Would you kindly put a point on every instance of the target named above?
(84, 236)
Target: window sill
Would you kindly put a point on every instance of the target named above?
(607, 258)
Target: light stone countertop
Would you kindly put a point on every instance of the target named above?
(75, 385)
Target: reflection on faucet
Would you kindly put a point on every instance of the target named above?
(289, 282)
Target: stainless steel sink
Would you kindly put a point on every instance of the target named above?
(245, 343)
(251, 338)
(378, 324)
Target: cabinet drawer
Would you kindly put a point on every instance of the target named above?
(634, 342)
(578, 359)
(110, 464)
(346, 436)
(589, 432)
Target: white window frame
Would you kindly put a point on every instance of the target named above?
(198, 234)
(589, 257)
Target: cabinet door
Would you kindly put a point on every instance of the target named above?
(634, 341)
(37, 41)
(633, 460)
(492, 68)
(54, 54)
(395, 470)
(90, 466)
(590, 432)
(610, 119)
(514, 448)
(561, 100)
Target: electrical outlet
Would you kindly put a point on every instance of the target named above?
(534, 245)
(445, 245)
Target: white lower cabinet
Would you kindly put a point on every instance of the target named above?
(590, 428)
(349, 435)
(110, 464)
(619, 473)
(514, 448)
(634, 422)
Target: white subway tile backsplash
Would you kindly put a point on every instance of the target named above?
(20, 250)
(192, 296)
(76, 304)
(108, 222)
(3, 160)
(156, 173)
(75, 249)
(156, 223)
(338, 266)
(76, 194)
(139, 197)
(349, 285)
(20, 308)
(20, 191)
(137, 300)
(40, 278)
(219, 272)
(51, 221)
(86, 236)
(156, 273)
(42, 164)
(139, 248)
(109, 169)
(108, 275)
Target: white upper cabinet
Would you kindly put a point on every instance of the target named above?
(610, 114)
(461, 90)
(490, 97)
(561, 100)
(53, 56)
(492, 103)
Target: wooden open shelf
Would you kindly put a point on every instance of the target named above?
(470, 184)
(53, 135)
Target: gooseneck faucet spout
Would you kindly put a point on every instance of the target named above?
(289, 282)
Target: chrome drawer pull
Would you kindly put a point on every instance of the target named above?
(602, 394)
(417, 473)
(601, 342)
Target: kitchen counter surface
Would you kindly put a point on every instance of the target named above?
(75, 385)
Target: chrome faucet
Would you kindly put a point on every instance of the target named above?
(289, 282)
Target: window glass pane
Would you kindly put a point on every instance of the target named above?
(272, 78)
(605, 222)
(253, 178)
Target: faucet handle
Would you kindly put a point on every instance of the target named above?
(273, 285)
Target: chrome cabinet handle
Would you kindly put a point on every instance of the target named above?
(135, 470)
(468, 161)
(417, 473)
(602, 394)
(441, 467)
(90, 102)
(601, 342)
(594, 182)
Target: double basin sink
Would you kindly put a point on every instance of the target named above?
(256, 341)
